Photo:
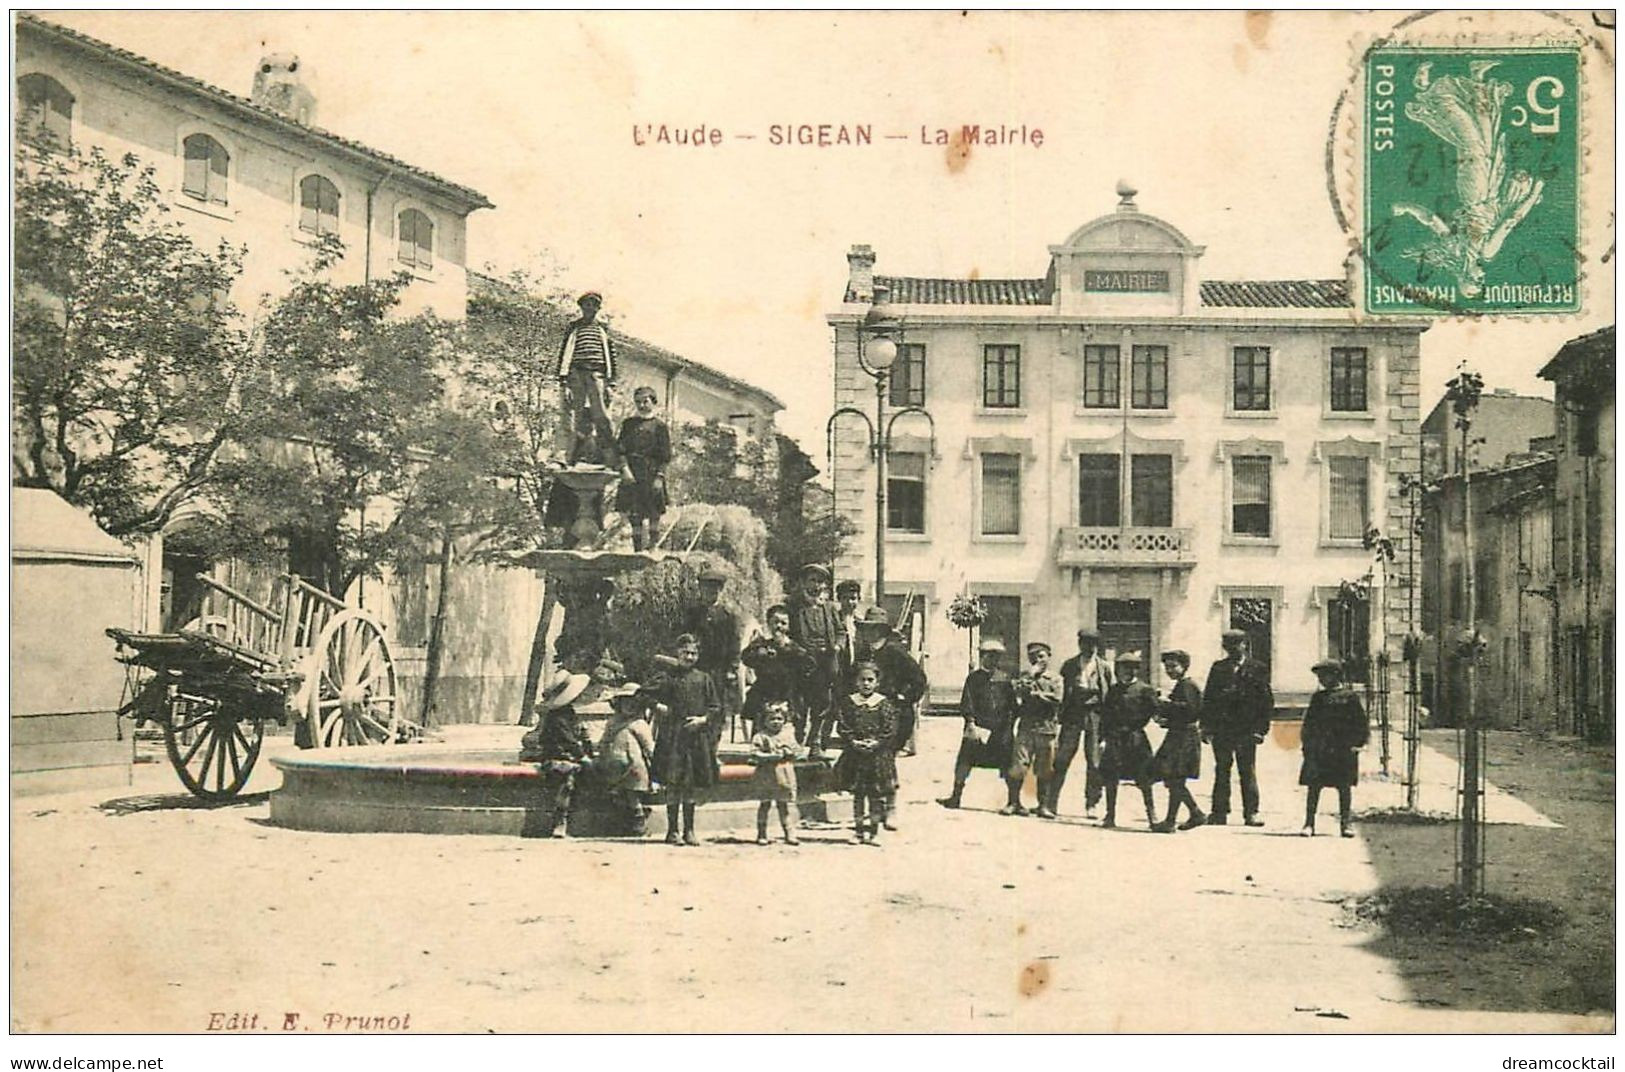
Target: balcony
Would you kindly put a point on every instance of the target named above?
(1147, 548)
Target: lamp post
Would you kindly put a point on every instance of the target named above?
(877, 352)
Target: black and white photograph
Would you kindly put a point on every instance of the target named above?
(827, 523)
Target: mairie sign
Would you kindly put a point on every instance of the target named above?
(1122, 280)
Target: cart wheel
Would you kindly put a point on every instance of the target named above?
(353, 698)
(211, 748)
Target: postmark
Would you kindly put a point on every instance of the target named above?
(1471, 160)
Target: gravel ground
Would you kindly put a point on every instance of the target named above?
(136, 911)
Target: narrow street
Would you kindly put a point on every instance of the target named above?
(976, 921)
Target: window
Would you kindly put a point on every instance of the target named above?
(1251, 378)
(1149, 377)
(416, 236)
(1151, 490)
(1255, 616)
(1585, 431)
(1577, 548)
(1350, 510)
(1250, 496)
(1486, 581)
(1593, 551)
(1100, 493)
(908, 375)
(1001, 494)
(318, 205)
(1560, 538)
(1348, 379)
(207, 165)
(1003, 623)
(1001, 377)
(1458, 592)
(1125, 625)
(1348, 634)
(44, 112)
(1100, 376)
(905, 492)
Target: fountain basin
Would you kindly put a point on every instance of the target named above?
(427, 789)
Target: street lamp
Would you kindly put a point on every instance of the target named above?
(877, 352)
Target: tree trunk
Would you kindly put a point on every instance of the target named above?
(538, 655)
(437, 632)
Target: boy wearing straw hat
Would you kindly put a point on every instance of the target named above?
(560, 746)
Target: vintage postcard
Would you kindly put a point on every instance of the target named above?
(834, 522)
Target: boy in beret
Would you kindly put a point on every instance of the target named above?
(1334, 731)
(988, 704)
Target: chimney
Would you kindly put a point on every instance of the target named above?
(860, 280)
(279, 84)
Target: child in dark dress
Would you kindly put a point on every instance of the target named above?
(1125, 754)
(783, 670)
(1179, 757)
(645, 446)
(867, 722)
(1334, 731)
(688, 724)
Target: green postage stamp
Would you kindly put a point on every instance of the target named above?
(1471, 178)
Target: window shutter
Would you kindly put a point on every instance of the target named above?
(1001, 494)
(1349, 479)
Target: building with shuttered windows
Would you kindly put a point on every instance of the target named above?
(1125, 445)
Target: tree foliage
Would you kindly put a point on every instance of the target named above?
(132, 375)
(370, 462)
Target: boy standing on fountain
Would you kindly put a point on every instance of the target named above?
(587, 370)
(645, 446)
(688, 723)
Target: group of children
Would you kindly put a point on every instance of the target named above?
(1020, 725)
(668, 732)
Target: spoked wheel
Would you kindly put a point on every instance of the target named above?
(210, 747)
(354, 699)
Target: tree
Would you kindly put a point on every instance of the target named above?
(132, 375)
(717, 463)
(343, 481)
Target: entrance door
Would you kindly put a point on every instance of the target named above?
(1255, 616)
(1003, 624)
(1125, 625)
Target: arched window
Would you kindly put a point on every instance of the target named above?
(207, 164)
(318, 205)
(416, 234)
(44, 111)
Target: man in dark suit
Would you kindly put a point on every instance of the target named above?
(1237, 706)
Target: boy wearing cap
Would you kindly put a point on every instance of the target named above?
(624, 755)
(1179, 757)
(717, 629)
(1334, 731)
(587, 370)
(987, 703)
(1125, 751)
(901, 681)
(814, 625)
(782, 668)
(1237, 706)
(848, 593)
(1085, 678)
(1038, 705)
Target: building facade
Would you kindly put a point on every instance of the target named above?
(1124, 445)
(253, 171)
(1512, 577)
(1583, 519)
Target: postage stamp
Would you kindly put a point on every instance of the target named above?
(1471, 164)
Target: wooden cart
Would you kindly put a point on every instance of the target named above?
(303, 656)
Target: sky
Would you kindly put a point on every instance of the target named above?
(733, 254)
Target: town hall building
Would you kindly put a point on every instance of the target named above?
(1123, 445)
